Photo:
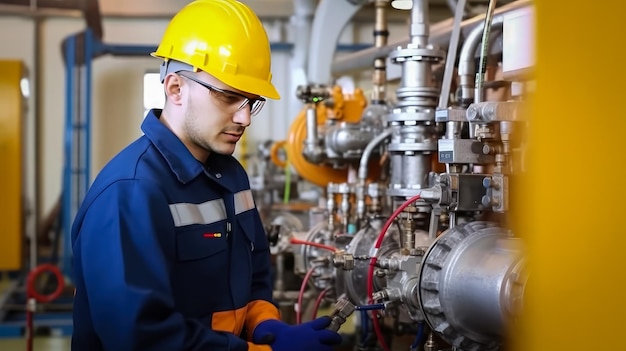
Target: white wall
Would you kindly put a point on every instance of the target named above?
(166, 8)
(117, 89)
(52, 100)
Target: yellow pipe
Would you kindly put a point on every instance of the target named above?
(571, 204)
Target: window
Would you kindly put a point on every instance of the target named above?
(153, 95)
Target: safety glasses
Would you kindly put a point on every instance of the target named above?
(231, 101)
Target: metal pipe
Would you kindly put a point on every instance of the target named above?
(433, 227)
(483, 52)
(454, 7)
(279, 286)
(381, 33)
(330, 19)
(467, 68)
(37, 131)
(468, 10)
(362, 172)
(301, 21)
(22, 11)
(420, 23)
(439, 36)
(367, 152)
(451, 58)
(312, 151)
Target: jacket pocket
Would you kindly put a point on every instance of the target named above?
(250, 224)
(200, 241)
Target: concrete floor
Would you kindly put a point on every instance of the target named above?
(39, 344)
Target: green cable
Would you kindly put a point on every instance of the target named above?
(287, 181)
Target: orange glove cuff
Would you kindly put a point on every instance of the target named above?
(255, 347)
(259, 311)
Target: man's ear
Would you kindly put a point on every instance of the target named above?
(172, 85)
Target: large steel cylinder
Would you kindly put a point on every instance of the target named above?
(472, 285)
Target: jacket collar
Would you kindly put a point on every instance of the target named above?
(181, 161)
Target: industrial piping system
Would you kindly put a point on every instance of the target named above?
(425, 233)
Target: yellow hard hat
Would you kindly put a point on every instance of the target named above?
(225, 39)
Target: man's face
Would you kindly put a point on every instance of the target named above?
(213, 121)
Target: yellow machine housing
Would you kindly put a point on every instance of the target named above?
(12, 116)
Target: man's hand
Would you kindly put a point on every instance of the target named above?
(309, 336)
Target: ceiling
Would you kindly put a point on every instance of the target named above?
(166, 8)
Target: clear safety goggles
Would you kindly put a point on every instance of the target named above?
(231, 101)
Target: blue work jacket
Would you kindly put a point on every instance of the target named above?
(169, 253)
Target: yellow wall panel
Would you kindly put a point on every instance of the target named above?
(11, 175)
(572, 206)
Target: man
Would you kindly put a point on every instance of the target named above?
(169, 250)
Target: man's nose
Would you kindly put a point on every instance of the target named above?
(242, 117)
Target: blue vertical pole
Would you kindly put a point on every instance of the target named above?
(86, 160)
(79, 52)
(70, 63)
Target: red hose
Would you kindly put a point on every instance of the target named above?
(370, 272)
(29, 324)
(307, 275)
(31, 291)
(318, 302)
(34, 296)
(310, 243)
(305, 280)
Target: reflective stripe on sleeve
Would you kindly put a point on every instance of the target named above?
(204, 213)
(244, 201)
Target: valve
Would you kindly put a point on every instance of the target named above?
(343, 260)
(343, 309)
(313, 93)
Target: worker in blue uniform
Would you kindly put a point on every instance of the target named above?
(169, 250)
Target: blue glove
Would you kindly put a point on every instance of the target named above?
(309, 336)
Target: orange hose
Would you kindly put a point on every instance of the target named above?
(274, 154)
